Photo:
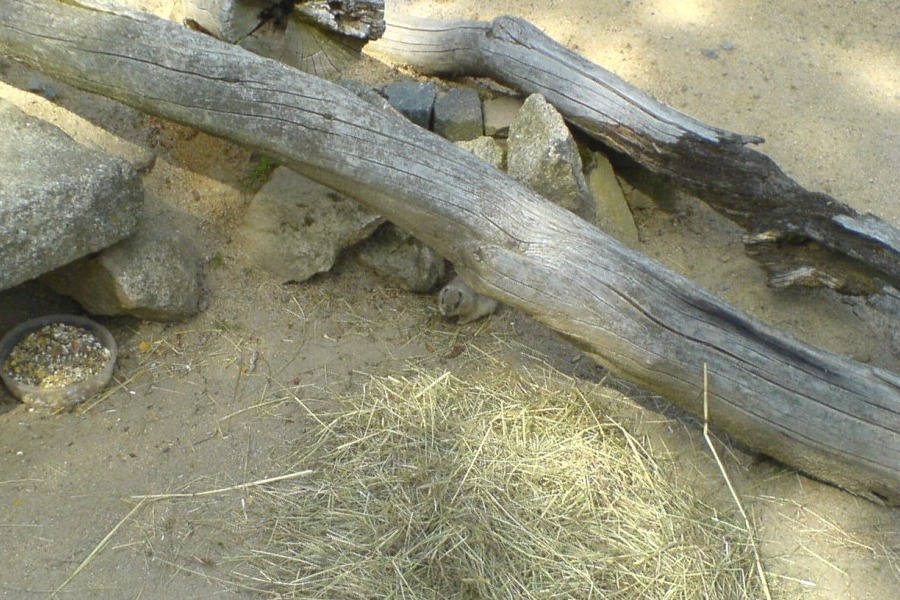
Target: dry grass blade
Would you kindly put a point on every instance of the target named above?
(98, 548)
(514, 485)
(231, 488)
(759, 568)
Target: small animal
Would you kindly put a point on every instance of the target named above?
(457, 299)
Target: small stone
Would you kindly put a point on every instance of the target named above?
(543, 155)
(487, 149)
(457, 115)
(413, 99)
(726, 45)
(710, 53)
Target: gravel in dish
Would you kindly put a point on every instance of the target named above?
(56, 356)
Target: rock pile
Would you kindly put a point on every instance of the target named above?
(74, 215)
(529, 139)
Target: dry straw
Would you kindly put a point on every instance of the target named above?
(509, 486)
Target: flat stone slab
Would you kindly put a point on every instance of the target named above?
(611, 211)
(59, 201)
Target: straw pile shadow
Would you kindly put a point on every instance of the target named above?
(511, 485)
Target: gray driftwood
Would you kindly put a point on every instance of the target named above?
(828, 416)
(316, 36)
(801, 237)
(234, 20)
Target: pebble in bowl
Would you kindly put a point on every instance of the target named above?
(56, 362)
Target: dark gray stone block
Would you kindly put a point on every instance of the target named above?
(413, 100)
(457, 115)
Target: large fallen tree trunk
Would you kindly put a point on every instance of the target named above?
(833, 418)
(801, 237)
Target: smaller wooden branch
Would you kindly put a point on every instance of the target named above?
(791, 230)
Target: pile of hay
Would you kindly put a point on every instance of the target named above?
(513, 486)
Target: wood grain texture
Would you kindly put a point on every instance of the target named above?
(233, 20)
(789, 228)
(828, 416)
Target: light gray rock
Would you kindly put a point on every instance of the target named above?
(154, 274)
(295, 228)
(402, 259)
(611, 211)
(59, 200)
(543, 155)
(457, 115)
(487, 149)
(412, 99)
(499, 113)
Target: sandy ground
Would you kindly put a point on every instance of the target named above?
(213, 402)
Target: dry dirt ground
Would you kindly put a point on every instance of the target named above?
(213, 402)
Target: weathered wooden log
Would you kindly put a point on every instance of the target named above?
(234, 20)
(828, 416)
(801, 237)
(322, 38)
(362, 19)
